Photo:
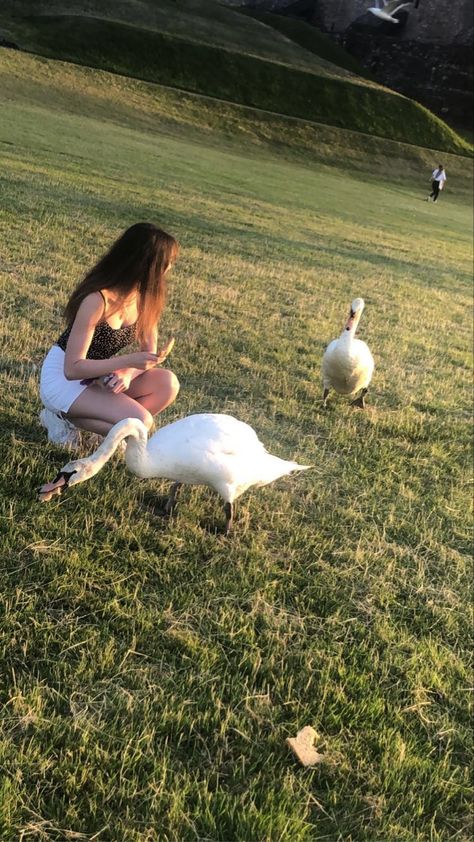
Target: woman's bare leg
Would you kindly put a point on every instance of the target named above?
(97, 410)
(91, 425)
(155, 389)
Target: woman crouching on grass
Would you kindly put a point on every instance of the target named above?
(84, 384)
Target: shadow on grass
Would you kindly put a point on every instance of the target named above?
(26, 430)
(155, 506)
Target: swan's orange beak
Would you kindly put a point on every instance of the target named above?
(56, 487)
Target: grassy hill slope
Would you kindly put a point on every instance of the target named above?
(226, 55)
(200, 21)
(158, 110)
(310, 38)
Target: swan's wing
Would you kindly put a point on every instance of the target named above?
(334, 358)
(211, 432)
(392, 6)
(199, 448)
(364, 362)
(363, 351)
(330, 350)
(241, 460)
(215, 450)
(267, 469)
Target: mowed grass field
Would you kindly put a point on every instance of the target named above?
(151, 671)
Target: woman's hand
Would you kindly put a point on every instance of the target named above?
(143, 360)
(118, 381)
(147, 359)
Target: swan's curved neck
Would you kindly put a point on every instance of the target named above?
(136, 454)
(350, 327)
(348, 334)
(130, 428)
(119, 432)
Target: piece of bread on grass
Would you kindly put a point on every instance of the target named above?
(303, 746)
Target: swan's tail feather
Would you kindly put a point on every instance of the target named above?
(277, 468)
(296, 467)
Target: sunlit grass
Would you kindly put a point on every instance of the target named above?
(152, 671)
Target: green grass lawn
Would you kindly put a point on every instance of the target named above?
(151, 672)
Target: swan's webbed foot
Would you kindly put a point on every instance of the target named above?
(360, 402)
(229, 513)
(325, 397)
(57, 486)
(170, 504)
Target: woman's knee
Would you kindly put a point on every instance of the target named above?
(144, 416)
(173, 383)
(166, 382)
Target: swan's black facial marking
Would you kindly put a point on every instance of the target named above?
(65, 475)
(59, 484)
(61, 475)
(350, 319)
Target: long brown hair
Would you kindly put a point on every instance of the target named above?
(137, 260)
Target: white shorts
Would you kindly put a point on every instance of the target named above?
(57, 393)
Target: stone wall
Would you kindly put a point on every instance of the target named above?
(436, 75)
(434, 21)
(427, 55)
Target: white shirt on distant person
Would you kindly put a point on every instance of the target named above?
(439, 175)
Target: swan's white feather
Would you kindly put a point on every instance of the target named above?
(347, 367)
(348, 364)
(210, 449)
(207, 449)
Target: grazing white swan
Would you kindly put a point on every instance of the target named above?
(385, 9)
(214, 450)
(348, 364)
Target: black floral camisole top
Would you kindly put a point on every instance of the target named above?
(106, 341)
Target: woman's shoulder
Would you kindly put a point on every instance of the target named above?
(92, 307)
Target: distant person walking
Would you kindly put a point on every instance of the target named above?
(438, 178)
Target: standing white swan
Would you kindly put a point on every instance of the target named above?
(348, 364)
(214, 450)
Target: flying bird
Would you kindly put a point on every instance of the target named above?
(386, 9)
